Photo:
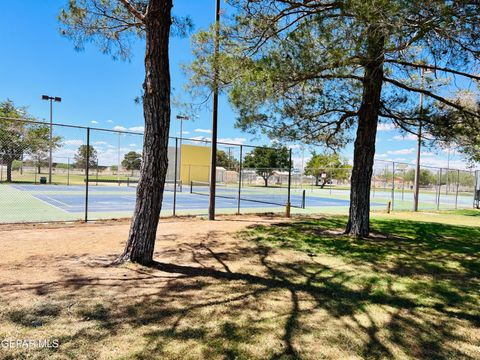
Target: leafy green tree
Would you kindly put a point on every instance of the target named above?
(319, 70)
(132, 161)
(464, 133)
(85, 152)
(266, 161)
(427, 178)
(113, 25)
(20, 138)
(326, 167)
(226, 160)
(40, 147)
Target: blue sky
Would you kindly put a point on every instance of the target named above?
(98, 91)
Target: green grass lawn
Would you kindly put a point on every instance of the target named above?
(417, 280)
(64, 178)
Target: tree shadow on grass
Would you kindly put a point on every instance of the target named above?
(253, 300)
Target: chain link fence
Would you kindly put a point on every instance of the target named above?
(92, 174)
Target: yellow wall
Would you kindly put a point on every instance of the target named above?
(194, 163)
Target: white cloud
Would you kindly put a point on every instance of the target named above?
(133, 128)
(381, 156)
(443, 163)
(450, 150)
(137, 128)
(385, 127)
(237, 140)
(100, 143)
(427, 153)
(110, 121)
(206, 131)
(75, 142)
(202, 138)
(405, 137)
(62, 154)
(94, 122)
(132, 145)
(401, 151)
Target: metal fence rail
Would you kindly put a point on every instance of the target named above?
(95, 172)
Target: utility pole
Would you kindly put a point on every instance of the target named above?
(50, 145)
(213, 164)
(419, 146)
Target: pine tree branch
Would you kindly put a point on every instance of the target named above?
(430, 94)
(133, 10)
(431, 67)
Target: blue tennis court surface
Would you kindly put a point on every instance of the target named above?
(71, 199)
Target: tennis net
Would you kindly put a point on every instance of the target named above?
(169, 184)
(264, 195)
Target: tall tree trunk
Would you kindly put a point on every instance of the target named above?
(364, 152)
(9, 171)
(156, 108)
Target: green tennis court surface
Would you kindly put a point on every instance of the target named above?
(32, 203)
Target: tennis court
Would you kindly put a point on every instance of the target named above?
(60, 203)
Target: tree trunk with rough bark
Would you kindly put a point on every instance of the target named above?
(364, 152)
(9, 171)
(156, 108)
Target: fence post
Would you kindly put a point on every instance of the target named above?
(403, 185)
(175, 178)
(118, 160)
(456, 191)
(87, 167)
(97, 174)
(374, 181)
(35, 168)
(393, 184)
(68, 171)
(439, 189)
(240, 180)
(289, 182)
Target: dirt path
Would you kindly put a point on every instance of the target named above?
(48, 253)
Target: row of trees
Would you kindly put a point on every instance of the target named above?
(265, 161)
(19, 139)
(429, 177)
(26, 140)
(316, 71)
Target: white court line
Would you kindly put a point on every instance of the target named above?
(50, 204)
(57, 201)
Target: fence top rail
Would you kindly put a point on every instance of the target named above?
(424, 166)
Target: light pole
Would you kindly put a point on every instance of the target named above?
(50, 145)
(181, 118)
